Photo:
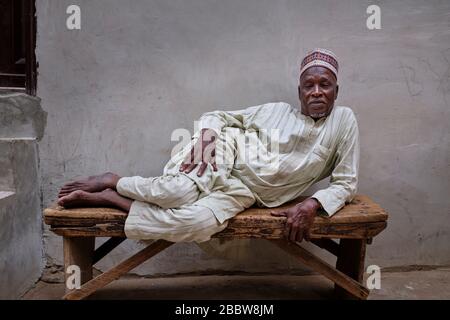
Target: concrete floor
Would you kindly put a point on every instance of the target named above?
(429, 284)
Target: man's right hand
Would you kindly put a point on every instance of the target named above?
(203, 152)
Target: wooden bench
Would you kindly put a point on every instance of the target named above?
(354, 226)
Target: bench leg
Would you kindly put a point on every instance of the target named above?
(350, 261)
(78, 251)
(116, 272)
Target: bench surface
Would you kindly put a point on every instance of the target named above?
(361, 219)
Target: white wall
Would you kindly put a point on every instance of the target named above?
(115, 90)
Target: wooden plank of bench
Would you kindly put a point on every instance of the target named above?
(358, 220)
(272, 230)
(317, 264)
(116, 272)
(361, 210)
(99, 230)
(56, 215)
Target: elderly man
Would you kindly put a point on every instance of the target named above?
(318, 141)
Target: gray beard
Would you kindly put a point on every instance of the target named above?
(318, 115)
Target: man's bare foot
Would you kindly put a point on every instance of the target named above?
(91, 184)
(105, 198)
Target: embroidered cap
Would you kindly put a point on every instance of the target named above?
(320, 57)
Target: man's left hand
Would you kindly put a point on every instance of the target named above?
(300, 219)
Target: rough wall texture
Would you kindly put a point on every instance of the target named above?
(21, 116)
(117, 88)
(21, 245)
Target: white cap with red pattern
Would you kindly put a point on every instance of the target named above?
(320, 57)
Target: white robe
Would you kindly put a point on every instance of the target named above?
(302, 151)
(308, 151)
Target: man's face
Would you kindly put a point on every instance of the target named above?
(317, 91)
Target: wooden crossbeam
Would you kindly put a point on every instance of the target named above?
(317, 264)
(116, 272)
(106, 248)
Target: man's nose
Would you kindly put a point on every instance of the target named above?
(316, 91)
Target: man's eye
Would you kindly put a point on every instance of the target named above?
(308, 85)
(325, 84)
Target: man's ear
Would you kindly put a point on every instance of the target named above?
(337, 92)
(299, 92)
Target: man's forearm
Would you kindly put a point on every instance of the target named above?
(318, 205)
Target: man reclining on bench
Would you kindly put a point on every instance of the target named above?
(311, 144)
